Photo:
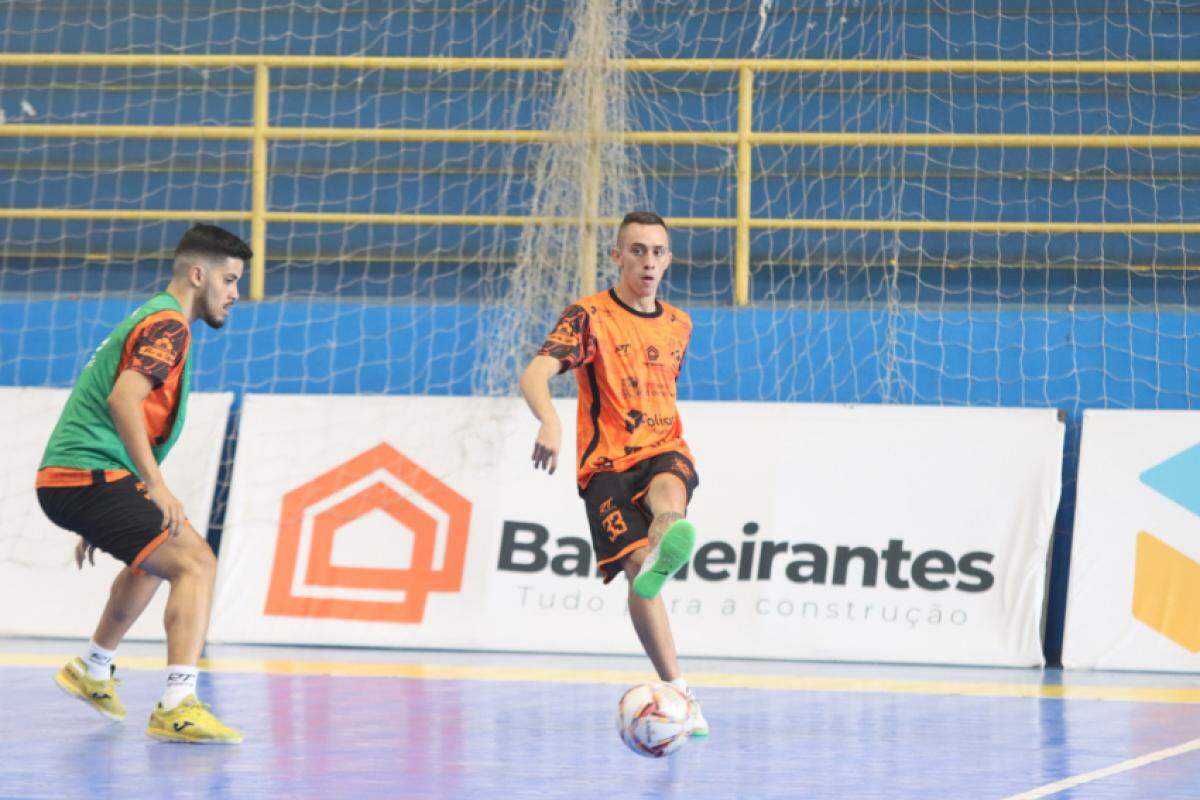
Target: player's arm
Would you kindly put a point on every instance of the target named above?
(125, 401)
(157, 347)
(535, 387)
(569, 346)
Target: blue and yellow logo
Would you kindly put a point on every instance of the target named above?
(1166, 587)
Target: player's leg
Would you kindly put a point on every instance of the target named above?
(187, 563)
(131, 592)
(118, 517)
(620, 527)
(620, 530)
(666, 497)
(111, 516)
(672, 537)
(92, 677)
(653, 627)
(650, 622)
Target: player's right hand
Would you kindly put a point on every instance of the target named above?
(84, 552)
(545, 448)
(171, 507)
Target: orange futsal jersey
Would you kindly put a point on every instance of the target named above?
(627, 363)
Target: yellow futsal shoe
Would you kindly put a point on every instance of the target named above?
(99, 694)
(192, 722)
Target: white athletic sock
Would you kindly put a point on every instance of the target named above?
(181, 681)
(99, 662)
(680, 684)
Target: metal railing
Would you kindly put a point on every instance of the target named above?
(261, 132)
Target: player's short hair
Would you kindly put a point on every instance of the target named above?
(210, 243)
(641, 218)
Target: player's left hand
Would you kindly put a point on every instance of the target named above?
(83, 551)
(545, 448)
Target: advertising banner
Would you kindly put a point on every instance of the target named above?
(1134, 590)
(826, 532)
(44, 594)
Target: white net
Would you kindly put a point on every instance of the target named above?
(583, 178)
(880, 309)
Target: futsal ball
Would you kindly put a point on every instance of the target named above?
(652, 719)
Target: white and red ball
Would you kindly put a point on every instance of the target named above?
(654, 719)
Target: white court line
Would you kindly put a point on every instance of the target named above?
(1124, 766)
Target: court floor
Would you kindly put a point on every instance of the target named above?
(387, 723)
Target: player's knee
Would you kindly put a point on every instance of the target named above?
(197, 562)
(665, 519)
(668, 498)
(206, 561)
(669, 504)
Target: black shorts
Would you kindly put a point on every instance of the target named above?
(114, 515)
(618, 517)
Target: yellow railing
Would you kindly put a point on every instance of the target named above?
(744, 138)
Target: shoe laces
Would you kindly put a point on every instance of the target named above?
(197, 704)
(112, 677)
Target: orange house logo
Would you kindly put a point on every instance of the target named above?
(306, 581)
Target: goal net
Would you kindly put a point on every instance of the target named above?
(966, 268)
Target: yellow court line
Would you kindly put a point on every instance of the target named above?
(799, 683)
(1088, 777)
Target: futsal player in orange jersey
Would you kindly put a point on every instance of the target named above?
(634, 471)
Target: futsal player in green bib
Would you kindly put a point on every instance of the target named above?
(100, 478)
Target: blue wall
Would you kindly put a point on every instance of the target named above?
(1067, 360)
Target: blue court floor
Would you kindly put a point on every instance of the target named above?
(338, 723)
